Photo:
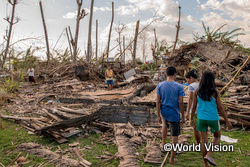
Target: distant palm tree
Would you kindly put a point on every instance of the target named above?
(217, 35)
(226, 37)
(212, 35)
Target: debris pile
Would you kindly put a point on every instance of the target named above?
(231, 67)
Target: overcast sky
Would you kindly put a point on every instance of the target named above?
(62, 13)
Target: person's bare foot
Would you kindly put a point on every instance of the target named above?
(172, 162)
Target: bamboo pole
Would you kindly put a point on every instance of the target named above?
(164, 160)
(45, 32)
(225, 87)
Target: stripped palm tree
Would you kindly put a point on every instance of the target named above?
(226, 37)
(212, 35)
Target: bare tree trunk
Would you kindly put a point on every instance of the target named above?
(11, 23)
(155, 50)
(130, 42)
(135, 41)
(45, 32)
(177, 31)
(144, 46)
(72, 42)
(70, 48)
(110, 30)
(80, 15)
(96, 43)
(119, 41)
(89, 48)
(123, 54)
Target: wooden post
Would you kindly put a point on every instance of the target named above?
(89, 48)
(70, 48)
(96, 41)
(225, 87)
(110, 29)
(177, 31)
(11, 23)
(45, 32)
(135, 42)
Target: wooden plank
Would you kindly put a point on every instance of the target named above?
(113, 92)
(72, 122)
(19, 118)
(79, 112)
(235, 115)
(51, 115)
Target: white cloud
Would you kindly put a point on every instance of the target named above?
(198, 1)
(234, 8)
(102, 9)
(70, 15)
(193, 20)
(127, 10)
(164, 7)
(234, 13)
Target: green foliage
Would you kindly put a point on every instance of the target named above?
(138, 61)
(216, 35)
(10, 86)
(243, 49)
(147, 67)
(62, 57)
(213, 35)
(21, 76)
(13, 134)
(163, 48)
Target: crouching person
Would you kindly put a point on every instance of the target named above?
(169, 106)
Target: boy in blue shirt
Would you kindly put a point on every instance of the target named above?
(169, 104)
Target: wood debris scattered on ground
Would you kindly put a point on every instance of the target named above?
(60, 106)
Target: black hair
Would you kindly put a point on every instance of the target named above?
(207, 86)
(192, 73)
(171, 71)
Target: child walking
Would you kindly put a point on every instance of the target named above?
(208, 99)
(191, 78)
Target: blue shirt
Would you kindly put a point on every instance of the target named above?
(207, 110)
(170, 92)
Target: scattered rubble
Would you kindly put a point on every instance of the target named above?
(60, 106)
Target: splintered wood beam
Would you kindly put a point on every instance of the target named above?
(238, 72)
(75, 122)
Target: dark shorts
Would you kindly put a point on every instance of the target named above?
(109, 82)
(31, 79)
(173, 126)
